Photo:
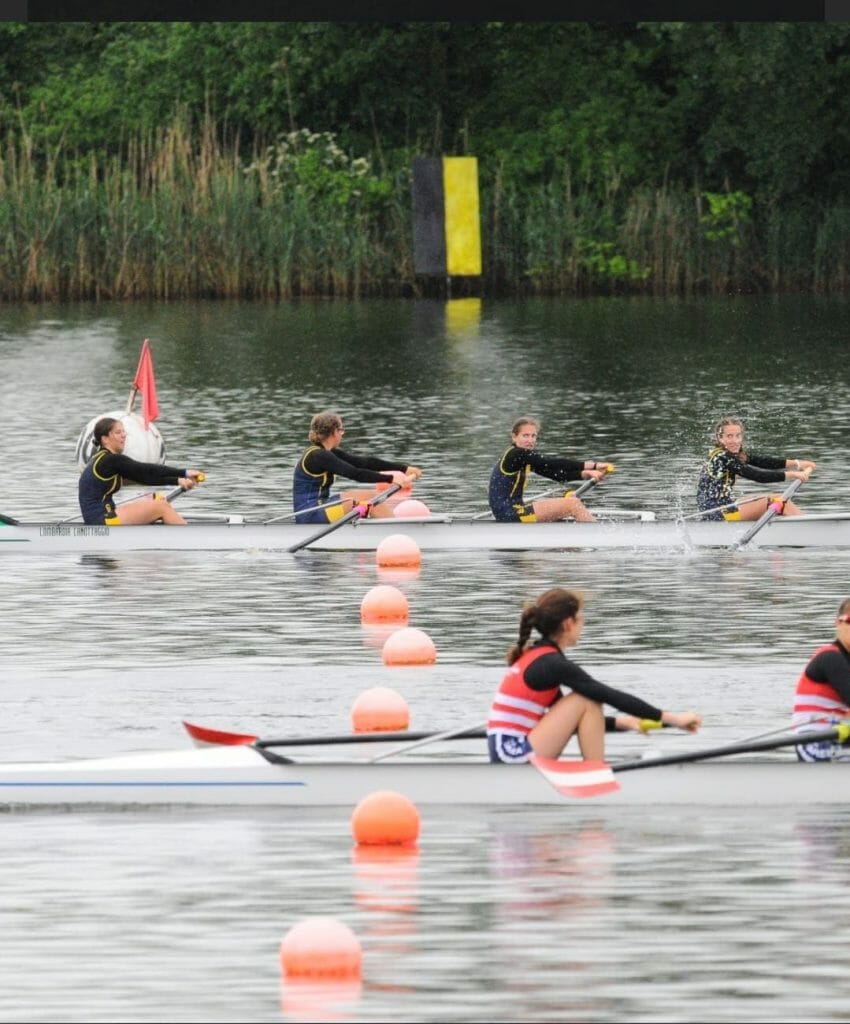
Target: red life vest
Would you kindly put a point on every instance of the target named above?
(817, 701)
(516, 707)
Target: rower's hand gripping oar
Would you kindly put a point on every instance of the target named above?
(360, 510)
(773, 509)
(177, 491)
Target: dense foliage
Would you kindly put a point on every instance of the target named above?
(654, 156)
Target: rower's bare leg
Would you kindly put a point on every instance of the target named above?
(149, 510)
(385, 509)
(549, 510)
(756, 509)
(570, 715)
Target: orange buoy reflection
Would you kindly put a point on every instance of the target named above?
(308, 999)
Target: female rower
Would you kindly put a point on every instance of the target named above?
(324, 460)
(728, 459)
(102, 478)
(823, 693)
(545, 698)
(507, 480)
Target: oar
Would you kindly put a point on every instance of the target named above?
(837, 734)
(773, 508)
(596, 778)
(452, 734)
(203, 735)
(357, 512)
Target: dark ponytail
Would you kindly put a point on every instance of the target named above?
(545, 615)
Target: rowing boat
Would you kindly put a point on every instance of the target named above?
(232, 533)
(243, 776)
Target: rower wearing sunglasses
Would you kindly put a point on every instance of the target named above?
(823, 693)
(324, 460)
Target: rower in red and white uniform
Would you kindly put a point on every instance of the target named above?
(823, 693)
(545, 698)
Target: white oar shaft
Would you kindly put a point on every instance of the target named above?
(435, 738)
(313, 508)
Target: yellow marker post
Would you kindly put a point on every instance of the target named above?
(462, 217)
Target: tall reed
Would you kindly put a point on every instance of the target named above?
(179, 214)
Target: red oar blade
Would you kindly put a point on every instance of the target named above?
(577, 778)
(204, 737)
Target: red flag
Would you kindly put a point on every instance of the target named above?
(145, 383)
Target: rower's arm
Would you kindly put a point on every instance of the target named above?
(324, 461)
(555, 467)
(150, 474)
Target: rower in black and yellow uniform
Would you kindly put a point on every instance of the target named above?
(507, 480)
(324, 460)
(104, 472)
(729, 459)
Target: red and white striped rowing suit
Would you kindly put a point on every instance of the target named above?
(815, 701)
(516, 707)
(816, 706)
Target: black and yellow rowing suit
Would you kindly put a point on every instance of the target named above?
(507, 481)
(314, 476)
(102, 478)
(718, 478)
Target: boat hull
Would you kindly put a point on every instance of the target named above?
(832, 531)
(241, 776)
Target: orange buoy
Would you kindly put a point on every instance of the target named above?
(385, 817)
(397, 549)
(409, 646)
(384, 603)
(380, 710)
(321, 947)
(411, 507)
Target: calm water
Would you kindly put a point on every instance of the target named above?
(518, 916)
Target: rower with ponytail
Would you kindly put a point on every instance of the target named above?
(545, 698)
